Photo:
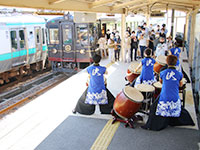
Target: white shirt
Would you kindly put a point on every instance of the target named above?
(143, 41)
(102, 43)
(160, 49)
(127, 43)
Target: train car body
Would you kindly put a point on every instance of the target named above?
(70, 45)
(23, 45)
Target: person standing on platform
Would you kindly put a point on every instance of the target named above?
(134, 45)
(143, 42)
(150, 27)
(167, 110)
(162, 34)
(165, 30)
(114, 32)
(111, 46)
(151, 46)
(102, 46)
(158, 29)
(139, 31)
(108, 34)
(129, 30)
(161, 48)
(147, 74)
(127, 47)
(146, 28)
(117, 47)
(156, 40)
(169, 42)
(96, 93)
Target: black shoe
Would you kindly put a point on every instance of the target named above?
(145, 128)
(74, 111)
(127, 84)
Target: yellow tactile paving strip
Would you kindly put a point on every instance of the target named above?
(103, 140)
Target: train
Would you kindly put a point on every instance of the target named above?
(71, 45)
(23, 45)
(30, 42)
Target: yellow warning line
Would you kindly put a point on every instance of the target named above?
(103, 140)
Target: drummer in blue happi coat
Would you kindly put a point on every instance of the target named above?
(147, 74)
(176, 52)
(167, 110)
(96, 93)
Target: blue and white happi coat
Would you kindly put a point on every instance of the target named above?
(169, 104)
(96, 93)
(147, 74)
(176, 52)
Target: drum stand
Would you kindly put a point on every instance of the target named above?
(128, 122)
(148, 100)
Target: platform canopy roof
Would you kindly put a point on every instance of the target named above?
(106, 6)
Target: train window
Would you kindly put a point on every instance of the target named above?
(38, 35)
(21, 39)
(67, 36)
(82, 35)
(92, 31)
(13, 36)
(53, 35)
(43, 36)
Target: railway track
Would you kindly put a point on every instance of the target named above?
(26, 91)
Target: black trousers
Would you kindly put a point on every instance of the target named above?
(158, 123)
(117, 52)
(135, 55)
(87, 109)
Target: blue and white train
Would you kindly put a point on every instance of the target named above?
(23, 45)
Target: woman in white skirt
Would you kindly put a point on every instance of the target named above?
(103, 45)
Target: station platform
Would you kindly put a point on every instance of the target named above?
(47, 123)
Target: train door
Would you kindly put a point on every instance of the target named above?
(68, 50)
(38, 43)
(54, 43)
(82, 43)
(18, 46)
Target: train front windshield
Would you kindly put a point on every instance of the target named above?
(82, 35)
(67, 36)
(53, 35)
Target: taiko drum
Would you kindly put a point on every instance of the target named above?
(158, 87)
(131, 74)
(160, 62)
(128, 102)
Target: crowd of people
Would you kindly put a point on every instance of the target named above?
(135, 43)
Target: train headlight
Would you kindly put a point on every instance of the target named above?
(67, 48)
(54, 51)
(82, 51)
